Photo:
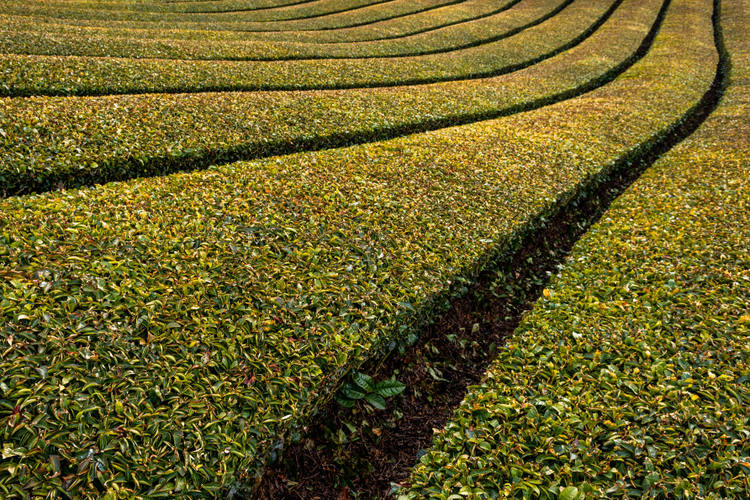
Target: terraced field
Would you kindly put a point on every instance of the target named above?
(264, 247)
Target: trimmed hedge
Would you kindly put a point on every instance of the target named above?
(191, 6)
(391, 27)
(451, 38)
(62, 141)
(325, 10)
(631, 376)
(50, 75)
(334, 27)
(175, 6)
(166, 335)
(410, 24)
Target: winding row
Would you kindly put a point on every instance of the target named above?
(166, 335)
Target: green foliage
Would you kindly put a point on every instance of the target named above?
(629, 378)
(167, 336)
(220, 11)
(33, 37)
(84, 141)
(364, 387)
(25, 75)
(569, 493)
(195, 321)
(400, 20)
(389, 388)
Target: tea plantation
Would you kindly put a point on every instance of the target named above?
(218, 216)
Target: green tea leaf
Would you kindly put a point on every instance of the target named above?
(389, 388)
(376, 400)
(364, 381)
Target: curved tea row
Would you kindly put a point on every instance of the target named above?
(72, 141)
(166, 335)
(630, 376)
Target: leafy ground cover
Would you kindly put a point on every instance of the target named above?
(450, 38)
(178, 5)
(313, 6)
(396, 27)
(53, 141)
(631, 376)
(165, 334)
(345, 11)
(50, 75)
(393, 26)
(334, 27)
